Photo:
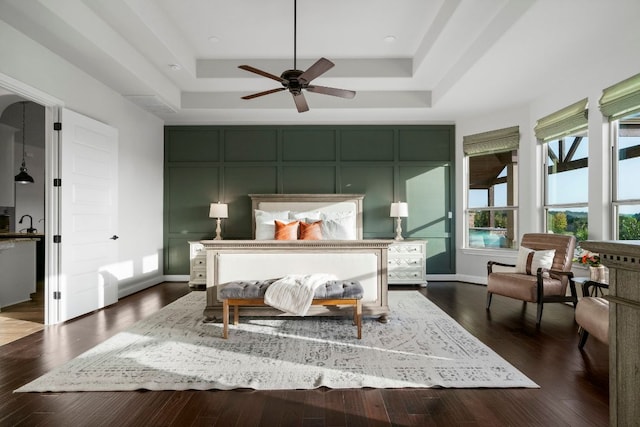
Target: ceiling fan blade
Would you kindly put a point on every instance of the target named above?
(301, 102)
(342, 93)
(321, 66)
(262, 73)
(266, 92)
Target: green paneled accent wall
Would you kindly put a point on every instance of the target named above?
(238, 182)
(310, 179)
(204, 164)
(309, 145)
(191, 145)
(367, 144)
(247, 145)
(420, 186)
(412, 145)
(376, 183)
(188, 214)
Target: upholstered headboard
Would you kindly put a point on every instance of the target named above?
(325, 203)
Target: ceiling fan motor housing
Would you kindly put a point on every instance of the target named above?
(293, 84)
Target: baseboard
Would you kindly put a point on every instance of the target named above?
(137, 286)
(441, 278)
(480, 280)
(176, 278)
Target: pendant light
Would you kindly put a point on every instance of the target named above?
(23, 177)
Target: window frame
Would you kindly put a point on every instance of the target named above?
(513, 208)
(546, 206)
(570, 121)
(616, 202)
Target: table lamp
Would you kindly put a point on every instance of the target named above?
(218, 211)
(399, 210)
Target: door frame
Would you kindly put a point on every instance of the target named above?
(52, 206)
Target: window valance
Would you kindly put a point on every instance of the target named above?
(621, 99)
(571, 119)
(494, 141)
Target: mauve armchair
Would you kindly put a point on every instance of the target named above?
(592, 313)
(538, 285)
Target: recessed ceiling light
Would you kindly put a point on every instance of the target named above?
(214, 39)
(175, 67)
(389, 39)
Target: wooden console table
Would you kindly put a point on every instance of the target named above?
(622, 257)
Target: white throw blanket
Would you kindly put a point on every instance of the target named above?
(293, 293)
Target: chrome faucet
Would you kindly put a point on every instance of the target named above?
(30, 229)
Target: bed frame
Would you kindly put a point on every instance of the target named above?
(362, 260)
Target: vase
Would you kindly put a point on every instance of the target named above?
(599, 274)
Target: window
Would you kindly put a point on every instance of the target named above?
(626, 200)
(492, 166)
(566, 186)
(566, 170)
(621, 104)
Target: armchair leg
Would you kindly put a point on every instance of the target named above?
(583, 338)
(539, 316)
(489, 295)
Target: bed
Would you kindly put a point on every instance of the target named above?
(342, 252)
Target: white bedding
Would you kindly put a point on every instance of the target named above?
(294, 292)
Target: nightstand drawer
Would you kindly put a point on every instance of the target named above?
(411, 276)
(405, 262)
(199, 274)
(199, 261)
(406, 248)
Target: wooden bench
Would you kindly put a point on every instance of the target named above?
(251, 294)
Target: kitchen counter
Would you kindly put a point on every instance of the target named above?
(4, 236)
(8, 240)
(40, 251)
(17, 270)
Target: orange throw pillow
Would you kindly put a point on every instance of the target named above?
(286, 231)
(311, 231)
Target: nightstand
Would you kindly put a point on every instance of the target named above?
(407, 262)
(197, 266)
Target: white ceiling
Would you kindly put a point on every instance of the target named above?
(450, 58)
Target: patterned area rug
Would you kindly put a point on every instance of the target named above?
(421, 346)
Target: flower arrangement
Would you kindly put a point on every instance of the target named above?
(588, 258)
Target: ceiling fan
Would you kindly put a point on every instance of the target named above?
(296, 80)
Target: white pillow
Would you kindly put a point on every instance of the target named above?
(530, 260)
(338, 226)
(265, 223)
(301, 216)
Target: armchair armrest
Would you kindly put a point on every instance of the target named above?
(556, 274)
(490, 265)
(597, 286)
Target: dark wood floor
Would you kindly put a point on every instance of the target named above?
(573, 384)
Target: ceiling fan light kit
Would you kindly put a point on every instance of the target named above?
(296, 80)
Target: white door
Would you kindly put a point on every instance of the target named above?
(88, 249)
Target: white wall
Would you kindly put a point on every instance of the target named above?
(140, 156)
(601, 69)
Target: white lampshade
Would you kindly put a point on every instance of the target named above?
(218, 210)
(399, 210)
